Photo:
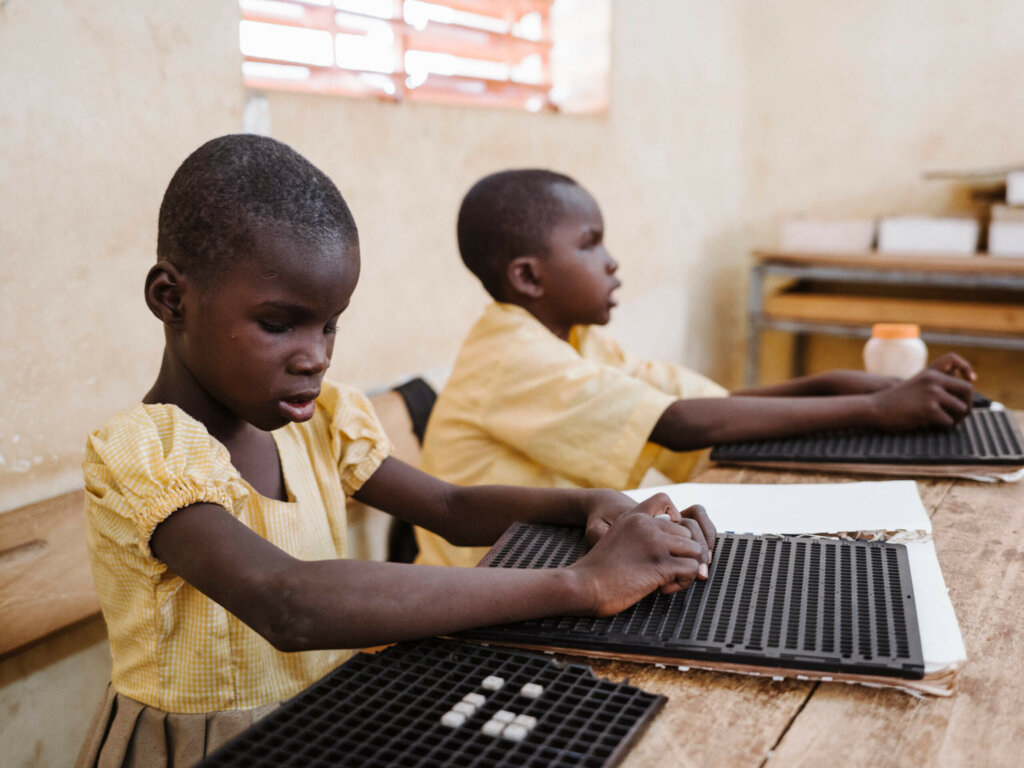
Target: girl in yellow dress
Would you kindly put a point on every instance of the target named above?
(216, 507)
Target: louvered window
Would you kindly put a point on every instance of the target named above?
(527, 54)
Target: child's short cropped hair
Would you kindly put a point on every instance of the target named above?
(505, 215)
(234, 188)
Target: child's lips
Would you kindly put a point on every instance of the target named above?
(298, 408)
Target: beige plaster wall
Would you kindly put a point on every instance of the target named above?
(846, 104)
(101, 101)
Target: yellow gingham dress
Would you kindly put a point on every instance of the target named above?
(173, 648)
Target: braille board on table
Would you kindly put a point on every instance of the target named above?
(770, 604)
(987, 441)
(436, 703)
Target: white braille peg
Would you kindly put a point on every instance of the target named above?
(453, 719)
(492, 728)
(662, 516)
(527, 721)
(465, 708)
(503, 716)
(476, 699)
(514, 732)
(492, 683)
(531, 691)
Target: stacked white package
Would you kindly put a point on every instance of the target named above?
(928, 234)
(1006, 230)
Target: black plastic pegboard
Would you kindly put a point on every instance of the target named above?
(777, 601)
(385, 710)
(985, 438)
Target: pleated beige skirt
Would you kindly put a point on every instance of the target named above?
(128, 734)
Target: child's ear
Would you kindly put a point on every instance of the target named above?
(164, 293)
(525, 276)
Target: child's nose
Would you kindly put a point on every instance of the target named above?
(612, 266)
(313, 358)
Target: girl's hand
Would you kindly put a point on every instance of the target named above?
(639, 554)
(605, 507)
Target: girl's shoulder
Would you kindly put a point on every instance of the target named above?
(150, 426)
(159, 442)
(144, 464)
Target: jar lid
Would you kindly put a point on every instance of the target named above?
(895, 331)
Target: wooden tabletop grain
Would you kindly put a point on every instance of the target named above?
(718, 719)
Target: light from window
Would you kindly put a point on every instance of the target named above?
(530, 54)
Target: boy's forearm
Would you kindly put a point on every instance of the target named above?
(815, 385)
(693, 424)
(387, 602)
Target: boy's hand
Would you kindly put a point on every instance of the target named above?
(638, 555)
(605, 507)
(850, 382)
(954, 365)
(932, 398)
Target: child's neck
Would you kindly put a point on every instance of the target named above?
(253, 452)
(175, 385)
(544, 317)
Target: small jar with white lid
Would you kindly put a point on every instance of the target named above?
(895, 349)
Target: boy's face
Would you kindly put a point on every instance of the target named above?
(579, 274)
(260, 340)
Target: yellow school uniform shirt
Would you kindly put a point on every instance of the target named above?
(173, 648)
(522, 407)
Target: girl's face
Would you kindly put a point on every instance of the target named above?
(261, 338)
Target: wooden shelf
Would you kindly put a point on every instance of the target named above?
(930, 314)
(975, 301)
(979, 263)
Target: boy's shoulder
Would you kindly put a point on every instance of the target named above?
(508, 329)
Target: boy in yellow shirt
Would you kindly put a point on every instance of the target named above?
(538, 397)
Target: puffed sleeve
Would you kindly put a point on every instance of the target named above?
(358, 441)
(147, 463)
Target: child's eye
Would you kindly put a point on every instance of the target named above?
(330, 329)
(274, 328)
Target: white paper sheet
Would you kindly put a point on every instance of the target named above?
(891, 505)
(942, 645)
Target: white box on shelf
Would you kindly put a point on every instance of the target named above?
(1015, 188)
(827, 235)
(1006, 238)
(928, 234)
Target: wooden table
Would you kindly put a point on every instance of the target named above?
(717, 719)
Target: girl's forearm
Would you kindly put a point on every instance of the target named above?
(387, 602)
(480, 514)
